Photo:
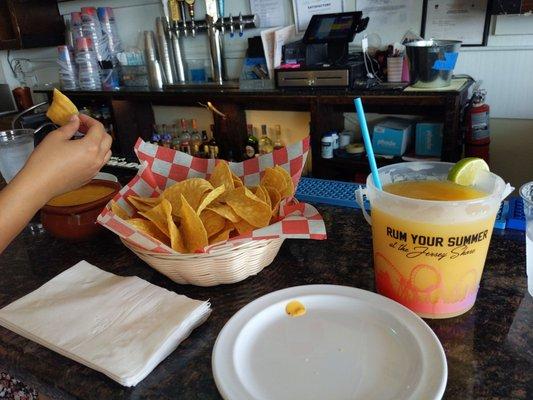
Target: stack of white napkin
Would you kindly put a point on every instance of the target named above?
(120, 326)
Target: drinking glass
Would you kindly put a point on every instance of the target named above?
(526, 192)
(16, 145)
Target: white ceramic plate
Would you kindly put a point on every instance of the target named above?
(351, 344)
(106, 176)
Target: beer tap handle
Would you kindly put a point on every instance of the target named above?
(183, 18)
(231, 27)
(193, 28)
(241, 25)
(222, 24)
(190, 6)
(174, 11)
(165, 9)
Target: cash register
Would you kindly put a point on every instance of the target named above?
(321, 58)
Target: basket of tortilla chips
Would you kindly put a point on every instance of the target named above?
(207, 222)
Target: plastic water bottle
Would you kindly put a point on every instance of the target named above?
(76, 26)
(327, 145)
(68, 78)
(109, 30)
(88, 69)
(92, 29)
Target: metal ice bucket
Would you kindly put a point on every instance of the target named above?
(431, 62)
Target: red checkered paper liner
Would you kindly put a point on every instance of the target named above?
(162, 167)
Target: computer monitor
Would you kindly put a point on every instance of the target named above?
(332, 28)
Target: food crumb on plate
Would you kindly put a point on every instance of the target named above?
(295, 309)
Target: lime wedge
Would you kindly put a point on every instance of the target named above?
(464, 171)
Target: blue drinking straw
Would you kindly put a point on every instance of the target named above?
(367, 141)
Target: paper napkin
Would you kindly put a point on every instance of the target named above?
(121, 326)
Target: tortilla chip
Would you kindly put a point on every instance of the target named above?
(236, 180)
(193, 190)
(275, 199)
(176, 238)
(262, 194)
(213, 222)
(222, 175)
(61, 109)
(119, 211)
(210, 197)
(289, 189)
(223, 235)
(243, 227)
(224, 211)
(274, 178)
(249, 207)
(144, 203)
(159, 215)
(149, 228)
(192, 228)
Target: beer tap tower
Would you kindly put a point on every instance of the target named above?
(177, 27)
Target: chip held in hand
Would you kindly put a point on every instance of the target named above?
(61, 109)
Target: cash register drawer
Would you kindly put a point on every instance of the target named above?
(329, 77)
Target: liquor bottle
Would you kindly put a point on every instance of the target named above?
(265, 143)
(278, 143)
(196, 139)
(166, 138)
(185, 138)
(205, 145)
(213, 146)
(156, 138)
(251, 149)
(175, 138)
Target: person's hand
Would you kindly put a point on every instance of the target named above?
(59, 164)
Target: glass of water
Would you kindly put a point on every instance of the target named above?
(15, 148)
(526, 192)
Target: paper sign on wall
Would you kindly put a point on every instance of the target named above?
(305, 9)
(270, 12)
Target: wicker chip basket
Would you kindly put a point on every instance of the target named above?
(229, 264)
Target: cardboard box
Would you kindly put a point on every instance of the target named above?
(429, 139)
(392, 136)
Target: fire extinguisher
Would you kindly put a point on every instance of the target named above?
(477, 133)
(477, 119)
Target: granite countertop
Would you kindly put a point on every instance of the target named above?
(489, 349)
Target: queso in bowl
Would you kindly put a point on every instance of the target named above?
(72, 215)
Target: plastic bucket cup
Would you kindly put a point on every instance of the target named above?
(429, 255)
(15, 148)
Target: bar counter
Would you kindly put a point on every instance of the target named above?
(489, 349)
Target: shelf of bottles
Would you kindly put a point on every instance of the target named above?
(186, 137)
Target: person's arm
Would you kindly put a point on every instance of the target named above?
(56, 166)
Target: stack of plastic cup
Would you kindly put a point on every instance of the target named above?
(76, 25)
(109, 30)
(68, 78)
(92, 29)
(87, 63)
